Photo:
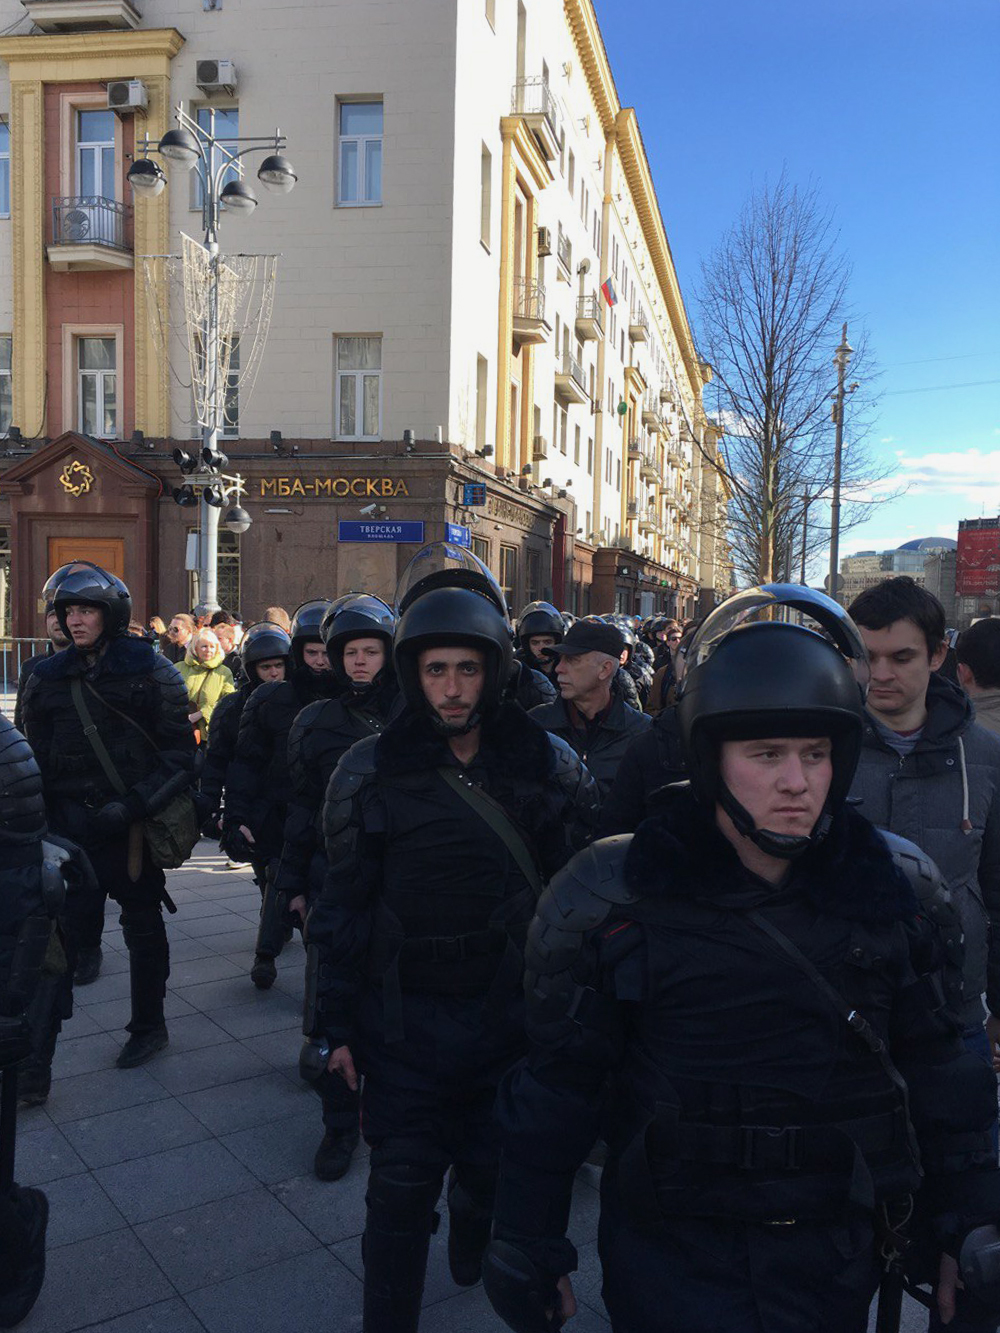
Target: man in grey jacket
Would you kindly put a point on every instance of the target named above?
(978, 654)
(929, 773)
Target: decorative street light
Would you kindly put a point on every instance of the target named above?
(841, 359)
(189, 145)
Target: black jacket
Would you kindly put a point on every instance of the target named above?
(221, 750)
(22, 828)
(529, 687)
(413, 871)
(654, 759)
(257, 791)
(601, 746)
(23, 676)
(320, 735)
(644, 961)
(139, 704)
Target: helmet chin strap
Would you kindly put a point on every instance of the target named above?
(782, 845)
(444, 729)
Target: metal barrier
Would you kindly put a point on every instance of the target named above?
(13, 654)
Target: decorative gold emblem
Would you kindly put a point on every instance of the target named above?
(76, 478)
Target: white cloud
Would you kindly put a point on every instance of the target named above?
(888, 439)
(971, 474)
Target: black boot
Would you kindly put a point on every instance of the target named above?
(471, 1192)
(88, 966)
(263, 974)
(398, 1229)
(149, 966)
(21, 1282)
(142, 1046)
(51, 1002)
(333, 1156)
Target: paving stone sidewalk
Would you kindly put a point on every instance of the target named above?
(182, 1195)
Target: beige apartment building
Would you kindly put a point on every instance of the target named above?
(474, 286)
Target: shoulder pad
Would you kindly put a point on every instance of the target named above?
(578, 899)
(356, 766)
(921, 873)
(568, 762)
(166, 673)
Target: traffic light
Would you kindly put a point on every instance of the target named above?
(184, 461)
(213, 459)
(214, 496)
(185, 496)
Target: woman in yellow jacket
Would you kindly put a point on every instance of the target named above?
(206, 678)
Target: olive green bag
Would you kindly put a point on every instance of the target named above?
(172, 833)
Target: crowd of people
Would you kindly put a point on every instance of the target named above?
(710, 904)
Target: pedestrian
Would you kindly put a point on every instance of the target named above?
(661, 691)
(226, 632)
(207, 679)
(755, 967)
(589, 715)
(978, 654)
(179, 632)
(253, 822)
(358, 634)
(107, 721)
(277, 615)
(439, 832)
(57, 640)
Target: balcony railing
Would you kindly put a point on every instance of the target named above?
(532, 98)
(529, 299)
(638, 325)
(588, 311)
(572, 368)
(89, 220)
(564, 250)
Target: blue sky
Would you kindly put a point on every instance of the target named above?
(890, 108)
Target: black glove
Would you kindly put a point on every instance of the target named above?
(111, 820)
(235, 844)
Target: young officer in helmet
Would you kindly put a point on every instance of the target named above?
(752, 969)
(539, 626)
(358, 635)
(110, 701)
(253, 822)
(439, 833)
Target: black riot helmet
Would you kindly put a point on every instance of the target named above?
(263, 643)
(471, 611)
(751, 676)
(357, 616)
(87, 584)
(53, 582)
(307, 625)
(538, 618)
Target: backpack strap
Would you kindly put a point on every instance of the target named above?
(491, 812)
(94, 736)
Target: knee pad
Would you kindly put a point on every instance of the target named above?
(402, 1195)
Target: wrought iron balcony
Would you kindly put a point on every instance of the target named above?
(635, 451)
(651, 413)
(589, 317)
(571, 382)
(638, 325)
(564, 250)
(88, 233)
(530, 325)
(532, 99)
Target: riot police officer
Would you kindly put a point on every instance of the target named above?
(107, 719)
(539, 626)
(439, 833)
(754, 969)
(54, 632)
(358, 633)
(256, 799)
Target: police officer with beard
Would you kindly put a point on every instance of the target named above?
(107, 719)
(253, 822)
(358, 635)
(755, 971)
(439, 833)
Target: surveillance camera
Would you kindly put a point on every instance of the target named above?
(368, 509)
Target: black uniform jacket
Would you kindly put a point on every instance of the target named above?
(603, 744)
(421, 894)
(222, 744)
(320, 735)
(153, 751)
(740, 1091)
(653, 761)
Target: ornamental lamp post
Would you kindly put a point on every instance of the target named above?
(189, 145)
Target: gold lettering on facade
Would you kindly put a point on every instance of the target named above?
(76, 478)
(509, 513)
(316, 488)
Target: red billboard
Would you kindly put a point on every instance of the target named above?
(977, 568)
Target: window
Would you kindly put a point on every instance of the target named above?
(618, 474)
(360, 169)
(481, 549)
(563, 423)
(485, 195)
(6, 348)
(97, 382)
(507, 577)
(224, 124)
(576, 445)
(590, 457)
(95, 154)
(229, 426)
(4, 169)
(227, 572)
(571, 172)
(359, 388)
(533, 591)
(482, 384)
(5, 572)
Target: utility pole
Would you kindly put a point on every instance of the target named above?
(806, 502)
(842, 358)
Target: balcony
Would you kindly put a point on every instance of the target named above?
(88, 235)
(638, 326)
(564, 253)
(589, 318)
(651, 413)
(674, 455)
(530, 326)
(633, 509)
(82, 15)
(666, 394)
(571, 383)
(649, 469)
(635, 451)
(647, 520)
(532, 99)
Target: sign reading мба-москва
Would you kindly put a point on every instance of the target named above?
(326, 488)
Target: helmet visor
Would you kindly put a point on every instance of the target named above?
(789, 603)
(445, 565)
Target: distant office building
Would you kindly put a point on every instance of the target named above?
(977, 573)
(867, 568)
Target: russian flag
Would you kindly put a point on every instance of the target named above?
(610, 295)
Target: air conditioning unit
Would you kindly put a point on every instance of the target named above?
(544, 241)
(540, 449)
(216, 76)
(126, 96)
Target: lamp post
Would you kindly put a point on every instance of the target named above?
(190, 145)
(842, 359)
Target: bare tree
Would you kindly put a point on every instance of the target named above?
(772, 301)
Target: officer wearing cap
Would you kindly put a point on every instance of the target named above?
(754, 969)
(589, 714)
